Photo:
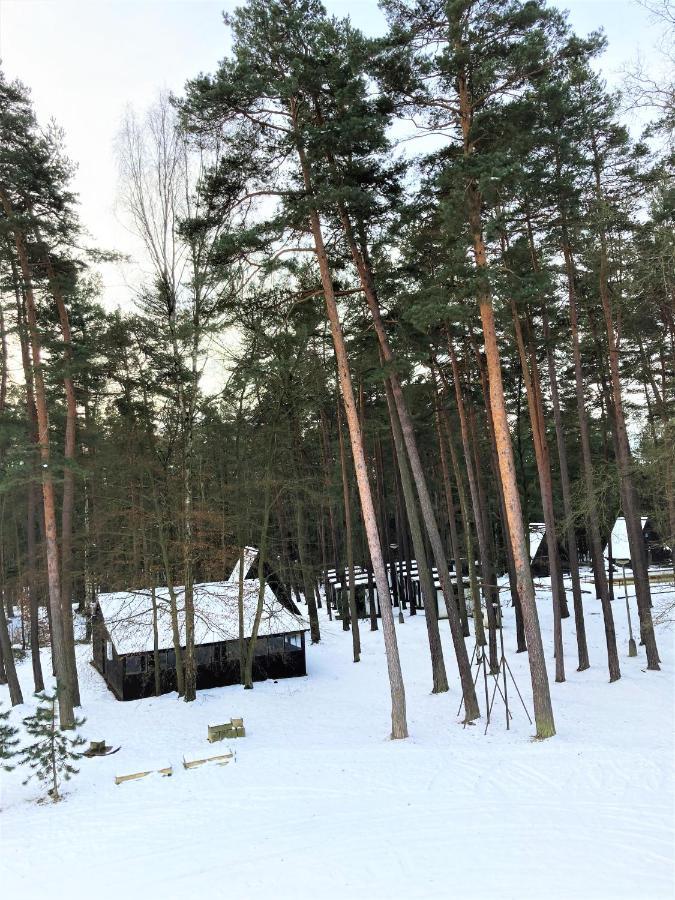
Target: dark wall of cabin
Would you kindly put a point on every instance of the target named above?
(278, 656)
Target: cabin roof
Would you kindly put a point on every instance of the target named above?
(129, 621)
(620, 545)
(250, 556)
(537, 533)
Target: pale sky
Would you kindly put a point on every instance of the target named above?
(86, 60)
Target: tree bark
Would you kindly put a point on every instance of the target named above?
(398, 711)
(353, 613)
(565, 486)
(59, 649)
(69, 450)
(439, 674)
(624, 458)
(592, 515)
(365, 276)
(15, 695)
(544, 471)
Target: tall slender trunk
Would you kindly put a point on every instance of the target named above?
(543, 710)
(541, 694)
(365, 276)
(624, 457)
(565, 486)
(38, 679)
(240, 617)
(59, 649)
(592, 511)
(398, 710)
(452, 522)
(262, 557)
(468, 537)
(69, 452)
(513, 582)
(530, 375)
(331, 516)
(173, 599)
(488, 571)
(353, 613)
(15, 695)
(33, 499)
(155, 642)
(481, 526)
(439, 674)
(307, 579)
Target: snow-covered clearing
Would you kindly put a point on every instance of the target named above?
(320, 804)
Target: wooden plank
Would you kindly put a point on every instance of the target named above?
(165, 769)
(203, 756)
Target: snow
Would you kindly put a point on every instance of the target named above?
(250, 556)
(322, 805)
(128, 615)
(620, 545)
(537, 533)
(221, 754)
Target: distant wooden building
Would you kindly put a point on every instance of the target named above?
(539, 557)
(657, 552)
(407, 582)
(124, 628)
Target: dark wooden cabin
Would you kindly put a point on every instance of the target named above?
(658, 553)
(123, 635)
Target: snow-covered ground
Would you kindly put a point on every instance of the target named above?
(321, 804)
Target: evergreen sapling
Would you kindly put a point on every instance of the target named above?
(52, 755)
(8, 741)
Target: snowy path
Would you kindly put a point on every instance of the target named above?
(320, 804)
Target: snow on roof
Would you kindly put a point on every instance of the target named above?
(537, 533)
(128, 615)
(620, 545)
(250, 556)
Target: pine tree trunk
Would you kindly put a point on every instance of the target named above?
(452, 523)
(439, 674)
(365, 276)
(68, 499)
(353, 614)
(32, 522)
(307, 580)
(625, 466)
(543, 711)
(571, 540)
(592, 515)
(488, 571)
(262, 556)
(240, 617)
(546, 490)
(521, 643)
(59, 649)
(540, 689)
(398, 711)
(479, 630)
(15, 695)
(474, 490)
(173, 600)
(155, 642)
(38, 679)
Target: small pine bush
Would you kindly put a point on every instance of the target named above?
(8, 741)
(52, 754)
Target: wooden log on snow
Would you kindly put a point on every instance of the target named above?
(201, 757)
(142, 771)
